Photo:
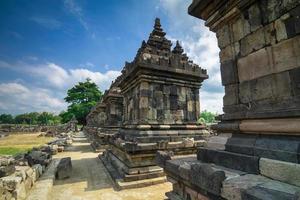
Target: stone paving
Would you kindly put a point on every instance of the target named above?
(90, 180)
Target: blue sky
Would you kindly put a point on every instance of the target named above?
(46, 46)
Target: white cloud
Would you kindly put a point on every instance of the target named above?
(48, 86)
(17, 98)
(76, 10)
(211, 101)
(46, 22)
(200, 44)
(61, 78)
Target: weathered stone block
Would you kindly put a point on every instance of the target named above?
(161, 158)
(262, 88)
(240, 29)
(255, 65)
(229, 72)
(253, 42)
(280, 28)
(295, 81)
(258, 192)
(231, 160)
(64, 168)
(231, 94)
(282, 85)
(278, 170)
(278, 148)
(226, 54)
(223, 36)
(285, 54)
(241, 143)
(270, 10)
(254, 17)
(292, 23)
(207, 178)
(245, 92)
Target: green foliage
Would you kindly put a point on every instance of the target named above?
(207, 117)
(6, 119)
(82, 97)
(33, 118)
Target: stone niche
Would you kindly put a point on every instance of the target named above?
(257, 152)
(105, 118)
(160, 89)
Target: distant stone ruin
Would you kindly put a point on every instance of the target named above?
(160, 92)
(105, 118)
(6, 129)
(257, 154)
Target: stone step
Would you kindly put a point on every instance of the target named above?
(241, 162)
(279, 170)
(140, 183)
(218, 142)
(257, 187)
(284, 148)
(136, 177)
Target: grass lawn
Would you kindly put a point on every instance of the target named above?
(19, 143)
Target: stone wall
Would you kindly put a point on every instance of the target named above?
(259, 58)
(256, 154)
(20, 128)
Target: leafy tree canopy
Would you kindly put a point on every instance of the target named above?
(6, 119)
(207, 117)
(82, 97)
(34, 118)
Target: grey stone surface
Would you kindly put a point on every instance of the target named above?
(207, 178)
(231, 160)
(278, 170)
(64, 168)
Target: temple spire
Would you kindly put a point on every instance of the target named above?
(157, 37)
(178, 48)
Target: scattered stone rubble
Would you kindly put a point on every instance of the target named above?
(64, 168)
(16, 182)
(19, 173)
(51, 131)
(256, 155)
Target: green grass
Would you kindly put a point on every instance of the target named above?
(20, 143)
(12, 150)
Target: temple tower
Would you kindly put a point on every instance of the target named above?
(161, 107)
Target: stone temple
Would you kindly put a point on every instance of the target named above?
(160, 108)
(257, 152)
(105, 118)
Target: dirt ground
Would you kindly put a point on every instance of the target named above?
(91, 181)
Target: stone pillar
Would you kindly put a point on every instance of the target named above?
(260, 128)
(160, 88)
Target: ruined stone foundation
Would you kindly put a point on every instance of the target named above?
(161, 106)
(257, 152)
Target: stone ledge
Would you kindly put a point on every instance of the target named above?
(281, 171)
(235, 161)
(233, 188)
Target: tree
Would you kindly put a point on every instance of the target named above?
(6, 119)
(82, 97)
(207, 117)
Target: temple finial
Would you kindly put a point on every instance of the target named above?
(178, 48)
